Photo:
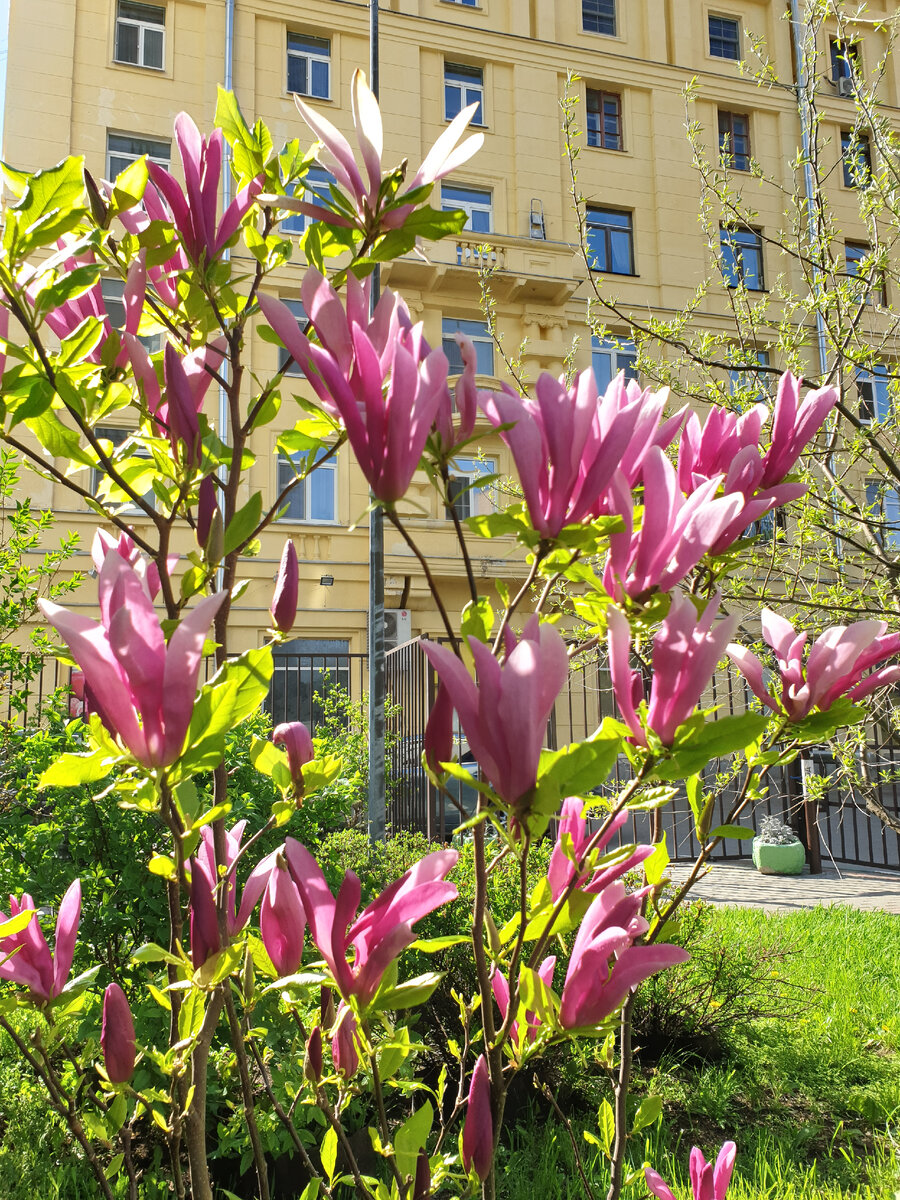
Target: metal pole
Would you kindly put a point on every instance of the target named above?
(228, 84)
(377, 804)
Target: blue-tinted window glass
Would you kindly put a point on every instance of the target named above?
(724, 38)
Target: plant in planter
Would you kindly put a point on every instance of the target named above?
(777, 850)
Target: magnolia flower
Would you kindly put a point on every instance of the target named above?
(344, 1054)
(313, 1059)
(117, 1041)
(478, 1130)
(371, 209)
(386, 429)
(208, 511)
(142, 688)
(707, 450)
(298, 744)
(794, 425)
(205, 878)
(136, 220)
(837, 664)
(504, 715)
(68, 316)
(686, 649)
(195, 214)
(25, 957)
(566, 444)
(594, 989)
(573, 833)
(707, 1182)
(176, 409)
(500, 988)
(282, 921)
(457, 412)
(146, 570)
(381, 931)
(287, 589)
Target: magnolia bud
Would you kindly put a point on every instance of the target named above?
(282, 921)
(287, 590)
(422, 1184)
(207, 505)
(117, 1035)
(343, 1043)
(478, 1130)
(326, 1006)
(312, 1060)
(439, 731)
(297, 741)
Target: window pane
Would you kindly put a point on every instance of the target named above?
(321, 487)
(452, 101)
(484, 358)
(480, 221)
(296, 508)
(621, 254)
(153, 48)
(599, 16)
(297, 75)
(112, 291)
(148, 13)
(309, 45)
(724, 38)
(126, 42)
(454, 356)
(320, 72)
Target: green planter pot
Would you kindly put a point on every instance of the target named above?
(779, 860)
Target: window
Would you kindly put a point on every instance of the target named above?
(765, 527)
(118, 436)
(724, 38)
(844, 59)
(604, 119)
(610, 242)
(609, 356)
(742, 378)
(742, 261)
(308, 65)
(872, 387)
(468, 498)
(307, 673)
(481, 338)
(293, 368)
(466, 3)
(870, 290)
(140, 34)
(463, 86)
(113, 291)
(599, 16)
(315, 188)
(734, 140)
(856, 158)
(122, 150)
(884, 503)
(314, 498)
(474, 202)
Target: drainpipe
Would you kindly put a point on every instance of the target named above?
(226, 200)
(376, 798)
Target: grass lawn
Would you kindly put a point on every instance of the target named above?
(813, 1100)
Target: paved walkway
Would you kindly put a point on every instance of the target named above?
(742, 885)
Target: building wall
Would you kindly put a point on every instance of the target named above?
(65, 94)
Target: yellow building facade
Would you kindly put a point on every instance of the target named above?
(106, 78)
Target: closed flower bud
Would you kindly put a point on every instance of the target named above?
(117, 1035)
(478, 1130)
(312, 1061)
(422, 1184)
(215, 543)
(287, 590)
(282, 921)
(343, 1044)
(207, 507)
(297, 741)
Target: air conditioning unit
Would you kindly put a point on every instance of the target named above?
(845, 87)
(397, 627)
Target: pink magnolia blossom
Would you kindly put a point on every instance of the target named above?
(566, 444)
(287, 590)
(343, 1042)
(500, 988)
(675, 532)
(837, 664)
(195, 215)
(205, 878)
(707, 1182)
(478, 1129)
(117, 1041)
(686, 649)
(439, 730)
(387, 428)
(336, 155)
(381, 931)
(504, 715)
(594, 989)
(176, 408)
(562, 870)
(25, 957)
(794, 425)
(136, 220)
(142, 688)
(65, 319)
(458, 410)
(207, 508)
(105, 543)
(282, 921)
(298, 744)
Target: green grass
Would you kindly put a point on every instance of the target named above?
(812, 1102)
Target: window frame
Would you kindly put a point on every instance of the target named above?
(875, 403)
(303, 490)
(478, 468)
(885, 498)
(480, 338)
(842, 54)
(470, 207)
(719, 38)
(856, 151)
(731, 158)
(738, 276)
(875, 291)
(621, 355)
(600, 17)
(600, 139)
(143, 27)
(609, 230)
(738, 375)
(112, 291)
(128, 157)
(468, 92)
(310, 57)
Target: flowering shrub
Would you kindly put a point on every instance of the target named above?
(314, 994)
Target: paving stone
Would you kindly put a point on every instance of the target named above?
(741, 885)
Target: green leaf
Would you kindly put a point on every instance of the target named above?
(243, 524)
(648, 1113)
(713, 739)
(408, 995)
(161, 864)
(219, 966)
(71, 770)
(58, 440)
(118, 1111)
(151, 952)
(130, 185)
(820, 726)
(212, 718)
(655, 865)
(393, 1054)
(579, 768)
(251, 672)
(432, 945)
(497, 524)
(190, 1017)
(478, 619)
(741, 832)
(606, 1122)
(411, 1137)
(329, 1153)
(17, 923)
